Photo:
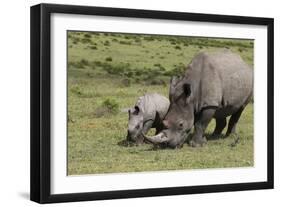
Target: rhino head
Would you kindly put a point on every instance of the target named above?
(180, 117)
(135, 125)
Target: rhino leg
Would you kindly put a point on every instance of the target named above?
(146, 127)
(233, 121)
(220, 124)
(200, 126)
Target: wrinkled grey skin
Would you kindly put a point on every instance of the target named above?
(216, 86)
(148, 112)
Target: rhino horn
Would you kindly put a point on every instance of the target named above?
(157, 139)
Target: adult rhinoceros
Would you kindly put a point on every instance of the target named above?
(215, 85)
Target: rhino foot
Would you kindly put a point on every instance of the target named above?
(198, 142)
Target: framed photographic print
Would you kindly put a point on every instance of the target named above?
(132, 103)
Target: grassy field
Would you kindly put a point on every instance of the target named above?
(107, 72)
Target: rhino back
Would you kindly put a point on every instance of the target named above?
(220, 79)
(153, 103)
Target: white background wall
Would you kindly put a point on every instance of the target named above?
(14, 104)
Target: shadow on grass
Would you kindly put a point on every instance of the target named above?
(154, 147)
(211, 137)
(235, 137)
(124, 143)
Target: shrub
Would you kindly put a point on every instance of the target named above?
(76, 90)
(177, 70)
(109, 59)
(149, 38)
(125, 42)
(106, 43)
(93, 47)
(87, 35)
(86, 41)
(97, 63)
(177, 47)
(126, 82)
(84, 62)
(108, 107)
(111, 104)
(118, 69)
(138, 72)
(129, 74)
(80, 64)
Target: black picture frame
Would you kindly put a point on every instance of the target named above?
(41, 99)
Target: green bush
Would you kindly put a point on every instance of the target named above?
(119, 69)
(86, 41)
(108, 107)
(84, 62)
(93, 47)
(106, 43)
(109, 59)
(177, 70)
(149, 38)
(138, 40)
(240, 49)
(125, 42)
(87, 35)
(111, 104)
(76, 90)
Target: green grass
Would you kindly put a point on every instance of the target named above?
(113, 70)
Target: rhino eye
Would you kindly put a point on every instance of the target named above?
(181, 125)
(138, 126)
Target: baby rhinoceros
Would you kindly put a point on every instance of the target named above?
(148, 112)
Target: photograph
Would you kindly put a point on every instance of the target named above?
(153, 102)
(129, 103)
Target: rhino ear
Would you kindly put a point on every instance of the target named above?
(173, 83)
(137, 110)
(173, 80)
(187, 89)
